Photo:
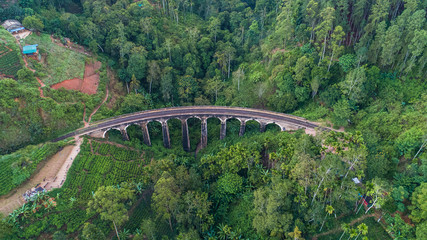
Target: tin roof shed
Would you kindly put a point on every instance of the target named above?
(30, 49)
(12, 25)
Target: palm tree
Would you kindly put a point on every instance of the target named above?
(353, 233)
(329, 209)
(224, 231)
(345, 227)
(363, 229)
(296, 234)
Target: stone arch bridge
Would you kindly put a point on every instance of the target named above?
(263, 117)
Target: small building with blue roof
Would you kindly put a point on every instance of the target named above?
(30, 49)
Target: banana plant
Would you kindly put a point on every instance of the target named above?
(13, 217)
(139, 187)
(34, 207)
(124, 234)
(72, 200)
(25, 210)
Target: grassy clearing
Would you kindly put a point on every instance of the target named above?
(61, 63)
(10, 61)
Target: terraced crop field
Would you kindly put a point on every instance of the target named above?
(102, 164)
(10, 62)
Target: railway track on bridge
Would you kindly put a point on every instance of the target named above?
(198, 112)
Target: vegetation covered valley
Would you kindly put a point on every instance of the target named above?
(357, 66)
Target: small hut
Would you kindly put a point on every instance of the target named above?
(31, 51)
(13, 26)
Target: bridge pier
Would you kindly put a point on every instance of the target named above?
(262, 126)
(204, 133)
(165, 131)
(242, 127)
(145, 133)
(223, 132)
(185, 135)
(99, 134)
(124, 133)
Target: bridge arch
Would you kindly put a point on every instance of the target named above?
(252, 126)
(272, 125)
(108, 133)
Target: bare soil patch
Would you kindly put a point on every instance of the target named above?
(70, 84)
(88, 85)
(22, 35)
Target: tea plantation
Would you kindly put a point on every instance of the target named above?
(10, 55)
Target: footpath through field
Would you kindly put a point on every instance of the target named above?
(51, 173)
(336, 230)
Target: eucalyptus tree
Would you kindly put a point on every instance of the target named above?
(323, 29)
(272, 206)
(166, 198)
(336, 44)
(109, 202)
(353, 84)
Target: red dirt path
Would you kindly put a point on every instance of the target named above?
(88, 85)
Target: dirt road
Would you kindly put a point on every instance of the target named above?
(51, 174)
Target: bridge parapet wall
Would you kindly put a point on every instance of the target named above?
(121, 123)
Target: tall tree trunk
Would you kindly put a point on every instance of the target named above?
(361, 205)
(243, 36)
(323, 53)
(115, 227)
(351, 166)
(396, 9)
(330, 61)
(170, 224)
(149, 91)
(422, 146)
(324, 220)
(314, 196)
(312, 31)
(101, 48)
(229, 63)
(404, 61)
(324, 47)
(357, 235)
(369, 208)
(238, 84)
(342, 235)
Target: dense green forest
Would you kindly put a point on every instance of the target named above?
(357, 64)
